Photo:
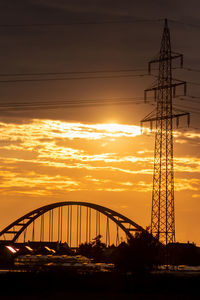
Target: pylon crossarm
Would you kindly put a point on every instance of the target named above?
(164, 117)
(172, 86)
(158, 60)
(166, 86)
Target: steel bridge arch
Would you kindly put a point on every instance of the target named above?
(17, 227)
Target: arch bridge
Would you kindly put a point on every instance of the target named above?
(71, 222)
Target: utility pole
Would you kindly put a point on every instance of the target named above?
(164, 89)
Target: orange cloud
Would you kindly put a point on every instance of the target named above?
(54, 161)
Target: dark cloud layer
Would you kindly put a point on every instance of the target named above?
(90, 47)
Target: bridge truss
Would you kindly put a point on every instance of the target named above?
(71, 222)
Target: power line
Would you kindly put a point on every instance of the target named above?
(192, 110)
(80, 73)
(77, 103)
(194, 83)
(191, 101)
(193, 97)
(185, 23)
(130, 21)
(85, 72)
(189, 98)
(79, 23)
(72, 78)
(90, 102)
(96, 23)
(71, 103)
(71, 72)
(191, 69)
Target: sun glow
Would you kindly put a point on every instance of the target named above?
(90, 131)
(44, 157)
(119, 128)
(109, 163)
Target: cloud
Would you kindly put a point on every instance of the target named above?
(49, 129)
(187, 164)
(196, 196)
(54, 156)
(183, 184)
(187, 136)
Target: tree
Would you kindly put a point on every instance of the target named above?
(94, 249)
(139, 254)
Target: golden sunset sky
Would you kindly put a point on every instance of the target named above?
(95, 154)
(110, 164)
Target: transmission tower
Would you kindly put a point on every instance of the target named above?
(164, 89)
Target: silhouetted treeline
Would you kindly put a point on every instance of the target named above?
(138, 254)
(141, 253)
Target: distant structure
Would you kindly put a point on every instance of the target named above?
(73, 222)
(164, 89)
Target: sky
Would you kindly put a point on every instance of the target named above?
(93, 153)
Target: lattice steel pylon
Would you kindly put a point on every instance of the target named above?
(162, 214)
